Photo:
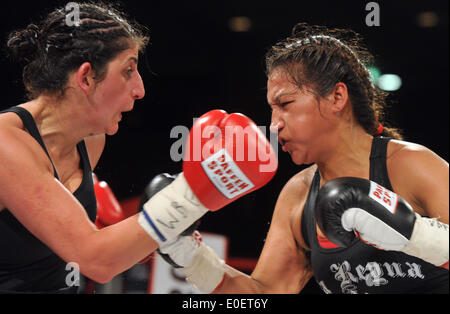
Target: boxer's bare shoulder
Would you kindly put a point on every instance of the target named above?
(19, 152)
(293, 197)
(420, 176)
(292, 270)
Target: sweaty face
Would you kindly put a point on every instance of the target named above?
(117, 92)
(297, 116)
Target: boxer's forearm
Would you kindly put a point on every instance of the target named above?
(240, 283)
(114, 249)
(237, 282)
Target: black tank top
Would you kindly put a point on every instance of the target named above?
(27, 264)
(361, 268)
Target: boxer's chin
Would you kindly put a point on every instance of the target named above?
(298, 158)
(112, 129)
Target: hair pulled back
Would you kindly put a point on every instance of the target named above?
(53, 48)
(319, 58)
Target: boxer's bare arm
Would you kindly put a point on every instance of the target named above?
(282, 266)
(50, 212)
(421, 177)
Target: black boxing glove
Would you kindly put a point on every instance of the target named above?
(158, 183)
(197, 261)
(346, 207)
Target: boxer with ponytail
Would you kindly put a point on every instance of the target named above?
(370, 212)
(79, 78)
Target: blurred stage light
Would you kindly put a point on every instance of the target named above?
(427, 19)
(374, 73)
(239, 24)
(389, 82)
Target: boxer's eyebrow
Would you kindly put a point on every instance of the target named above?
(276, 100)
(133, 59)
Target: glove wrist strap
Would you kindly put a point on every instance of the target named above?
(429, 241)
(206, 272)
(171, 211)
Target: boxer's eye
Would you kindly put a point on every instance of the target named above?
(129, 72)
(284, 104)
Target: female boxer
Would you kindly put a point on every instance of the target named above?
(81, 75)
(328, 113)
(79, 79)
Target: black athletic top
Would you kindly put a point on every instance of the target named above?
(27, 264)
(361, 268)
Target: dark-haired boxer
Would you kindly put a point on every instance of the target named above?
(80, 78)
(328, 113)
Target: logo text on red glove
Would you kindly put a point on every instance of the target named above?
(205, 143)
(226, 175)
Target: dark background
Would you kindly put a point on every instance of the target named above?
(195, 63)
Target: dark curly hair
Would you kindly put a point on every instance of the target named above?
(53, 48)
(317, 57)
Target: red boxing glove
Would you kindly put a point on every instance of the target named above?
(227, 156)
(109, 210)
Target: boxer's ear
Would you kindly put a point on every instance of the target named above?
(85, 77)
(338, 97)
